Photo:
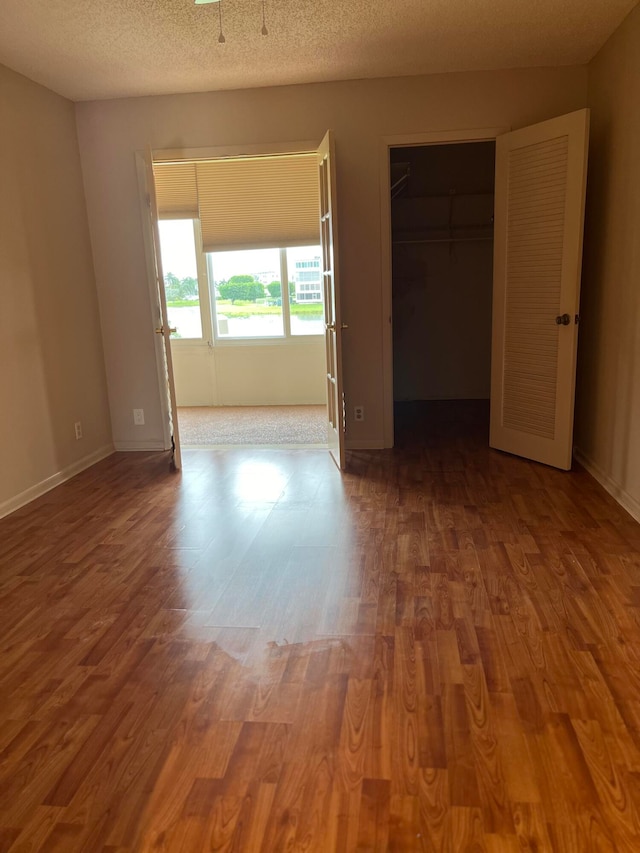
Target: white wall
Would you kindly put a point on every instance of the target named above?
(360, 113)
(50, 341)
(608, 395)
(283, 374)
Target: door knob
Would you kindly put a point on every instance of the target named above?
(330, 327)
(160, 331)
(563, 320)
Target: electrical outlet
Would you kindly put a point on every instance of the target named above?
(78, 429)
(138, 417)
(358, 413)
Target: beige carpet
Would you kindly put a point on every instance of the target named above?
(266, 425)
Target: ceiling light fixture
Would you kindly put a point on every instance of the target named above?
(221, 38)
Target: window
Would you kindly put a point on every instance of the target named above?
(247, 293)
(243, 288)
(247, 214)
(181, 280)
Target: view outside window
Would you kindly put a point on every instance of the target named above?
(247, 290)
(305, 291)
(178, 251)
(246, 287)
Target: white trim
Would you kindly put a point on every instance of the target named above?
(140, 444)
(616, 491)
(54, 480)
(152, 287)
(364, 444)
(219, 152)
(281, 341)
(438, 137)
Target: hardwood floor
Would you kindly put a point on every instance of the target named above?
(438, 650)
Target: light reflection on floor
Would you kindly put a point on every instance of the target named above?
(257, 480)
(263, 550)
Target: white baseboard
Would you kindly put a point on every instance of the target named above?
(62, 476)
(364, 444)
(616, 491)
(148, 444)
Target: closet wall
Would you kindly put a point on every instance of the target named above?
(442, 232)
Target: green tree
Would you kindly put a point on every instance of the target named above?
(242, 279)
(171, 287)
(231, 291)
(256, 291)
(188, 287)
(241, 288)
(275, 290)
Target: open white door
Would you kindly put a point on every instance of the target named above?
(331, 285)
(162, 325)
(539, 216)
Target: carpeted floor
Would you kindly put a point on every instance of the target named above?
(252, 425)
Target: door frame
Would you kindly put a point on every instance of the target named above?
(210, 152)
(405, 140)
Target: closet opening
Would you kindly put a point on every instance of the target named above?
(442, 279)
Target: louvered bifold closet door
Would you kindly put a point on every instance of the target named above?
(539, 214)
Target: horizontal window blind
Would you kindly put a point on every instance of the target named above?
(244, 203)
(176, 190)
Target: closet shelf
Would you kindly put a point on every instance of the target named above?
(443, 240)
(451, 195)
(455, 234)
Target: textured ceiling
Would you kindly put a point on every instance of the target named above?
(88, 49)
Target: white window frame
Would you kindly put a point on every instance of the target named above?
(208, 307)
(204, 300)
(286, 339)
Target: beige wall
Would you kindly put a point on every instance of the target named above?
(259, 375)
(608, 396)
(50, 344)
(360, 113)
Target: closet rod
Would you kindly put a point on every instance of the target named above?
(447, 240)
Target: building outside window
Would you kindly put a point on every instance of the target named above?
(308, 279)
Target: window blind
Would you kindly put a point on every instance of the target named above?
(176, 190)
(244, 203)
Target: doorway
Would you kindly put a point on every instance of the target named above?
(247, 351)
(441, 204)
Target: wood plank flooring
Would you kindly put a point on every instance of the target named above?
(437, 651)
